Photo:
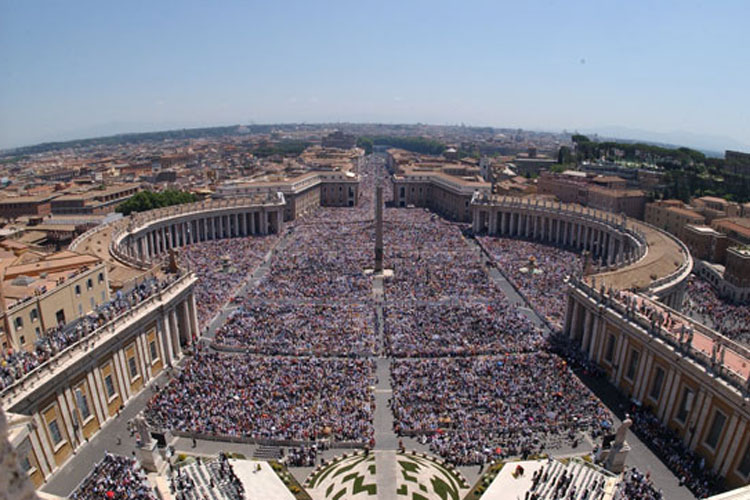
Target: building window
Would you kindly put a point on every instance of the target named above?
(89, 284)
(22, 339)
(152, 346)
(34, 315)
(100, 277)
(78, 289)
(685, 404)
(109, 384)
(103, 296)
(18, 322)
(25, 464)
(633, 365)
(93, 303)
(744, 466)
(610, 354)
(714, 433)
(133, 367)
(656, 386)
(80, 309)
(54, 432)
(83, 404)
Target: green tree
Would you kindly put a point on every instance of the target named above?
(148, 200)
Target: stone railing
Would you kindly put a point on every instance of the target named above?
(712, 363)
(682, 272)
(84, 344)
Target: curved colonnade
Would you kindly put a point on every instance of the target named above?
(624, 315)
(71, 396)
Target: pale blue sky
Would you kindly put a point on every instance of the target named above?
(84, 68)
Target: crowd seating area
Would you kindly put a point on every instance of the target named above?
(115, 478)
(300, 329)
(278, 398)
(704, 303)
(458, 329)
(473, 410)
(222, 266)
(538, 271)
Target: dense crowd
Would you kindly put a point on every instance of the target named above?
(636, 486)
(472, 410)
(538, 271)
(221, 267)
(438, 276)
(279, 398)
(416, 230)
(732, 320)
(690, 468)
(300, 329)
(321, 261)
(458, 329)
(14, 364)
(115, 478)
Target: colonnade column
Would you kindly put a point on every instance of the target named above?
(733, 448)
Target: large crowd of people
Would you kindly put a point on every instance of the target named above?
(222, 266)
(300, 329)
(637, 486)
(467, 328)
(689, 467)
(280, 398)
(115, 478)
(14, 364)
(538, 271)
(321, 261)
(473, 410)
(704, 303)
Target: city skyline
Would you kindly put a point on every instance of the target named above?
(664, 73)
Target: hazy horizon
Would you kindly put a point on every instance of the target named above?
(667, 72)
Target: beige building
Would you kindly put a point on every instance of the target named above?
(39, 292)
(443, 186)
(603, 192)
(93, 201)
(671, 216)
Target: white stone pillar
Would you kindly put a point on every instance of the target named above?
(729, 459)
(673, 387)
(173, 327)
(587, 319)
(576, 319)
(166, 339)
(621, 356)
(644, 376)
(702, 418)
(728, 438)
(595, 338)
(101, 393)
(94, 392)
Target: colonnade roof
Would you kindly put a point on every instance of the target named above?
(97, 244)
(665, 255)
